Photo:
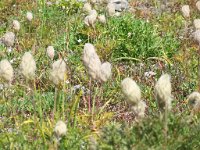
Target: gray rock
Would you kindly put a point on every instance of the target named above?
(120, 5)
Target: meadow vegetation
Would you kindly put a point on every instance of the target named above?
(144, 43)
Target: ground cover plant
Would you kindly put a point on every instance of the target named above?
(90, 75)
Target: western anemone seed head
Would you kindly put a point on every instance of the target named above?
(186, 11)
(29, 16)
(198, 5)
(196, 36)
(57, 74)
(111, 9)
(197, 24)
(105, 71)
(91, 18)
(102, 19)
(6, 71)
(131, 90)
(8, 39)
(91, 60)
(194, 101)
(87, 7)
(60, 129)
(50, 52)
(163, 92)
(16, 25)
(28, 65)
(139, 109)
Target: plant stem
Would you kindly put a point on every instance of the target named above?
(90, 98)
(55, 102)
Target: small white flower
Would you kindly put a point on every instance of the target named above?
(29, 16)
(79, 40)
(9, 49)
(186, 11)
(60, 129)
(16, 25)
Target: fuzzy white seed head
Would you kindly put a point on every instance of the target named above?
(8, 39)
(87, 7)
(197, 24)
(139, 109)
(111, 9)
(50, 52)
(102, 19)
(196, 36)
(198, 5)
(105, 71)
(91, 60)
(163, 92)
(16, 25)
(131, 91)
(29, 16)
(60, 129)
(28, 66)
(194, 101)
(186, 11)
(57, 74)
(91, 18)
(6, 71)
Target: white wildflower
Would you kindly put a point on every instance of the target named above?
(102, 19)
(29, 16)
(28, 65)
(60, 129)
(194, 101)
(198, 5)
(186, 11)
(50, 52)
(91, 60)
(87, 7)
(79, 40)
(57, 74)
(197, 24)
(6, 71)
(16, 25)
(105, 71)
(163, 92)
(8, 39)
(131, 90)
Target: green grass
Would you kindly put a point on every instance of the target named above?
(132, 44)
